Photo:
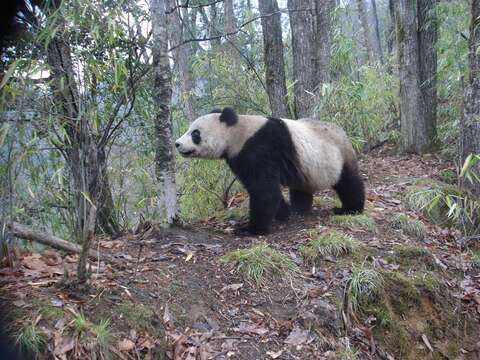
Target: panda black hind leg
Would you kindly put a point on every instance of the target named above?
(351, 190)
(301, 201)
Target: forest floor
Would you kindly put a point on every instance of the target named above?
(170, 295)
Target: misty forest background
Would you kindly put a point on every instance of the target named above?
(93, 93)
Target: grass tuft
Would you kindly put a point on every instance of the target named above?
(476, 259)
(333, 243)
(260, 262)
(409, 226)
(363, 221)
(136, 315)
(80, 323)
(31, 339)
(363, 285)
(103, 336)
(48, 311)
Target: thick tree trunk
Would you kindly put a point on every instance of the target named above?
(378, 40)
(415, 130)
(427, 41)
(274, 60)
(323, 40)
(470, 129)
(164, 158)
(301, 14)
(367, 34)
(181, 57)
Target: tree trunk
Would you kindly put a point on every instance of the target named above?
(416, 136)
(427, 41)
(301, 14)
(86, 160)
(164, 157)
(323, 40)
(391, 28)
(274, 61)
(378, 40)
(181, 57)
(470, 129)
(367, 35)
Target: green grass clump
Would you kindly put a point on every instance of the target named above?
(31, 339)
(48, 311)
(409, 226)
(333, 243)
(260, 262)
(363, 221)
(136, 315)
(80, 323)
(103, 337)
(363, 286)
(476, 259)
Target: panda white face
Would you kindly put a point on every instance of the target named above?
(206, 138)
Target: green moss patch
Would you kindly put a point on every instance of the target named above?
(409, 226)
(137, 316)
(333, 243)
(414, 257)
(260, 263)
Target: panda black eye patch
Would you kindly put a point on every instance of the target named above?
(196, 138)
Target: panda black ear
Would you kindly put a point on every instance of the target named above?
(229, 116)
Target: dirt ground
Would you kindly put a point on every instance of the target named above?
(168, 295)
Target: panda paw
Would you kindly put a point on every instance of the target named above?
(249, 231)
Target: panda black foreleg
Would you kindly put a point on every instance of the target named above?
(301, 201)
(264, 206)
(283, 212)
(351, 191)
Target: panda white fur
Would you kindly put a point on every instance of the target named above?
(266, 153)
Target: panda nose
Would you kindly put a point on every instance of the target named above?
(177, 144)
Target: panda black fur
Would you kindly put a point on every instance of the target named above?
(305, 155)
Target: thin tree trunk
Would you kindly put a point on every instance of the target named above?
(182, 56)
(413, 120)
(164, 158)
(378, 40)
(367, 35)
(301, 14)
(323, 40)
(86, 160)
(274, 61)
(427, 41)
(391, 28)
(470, 129)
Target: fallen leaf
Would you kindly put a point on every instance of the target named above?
(125, 345)
(427, 343)
(233, 287)
(274, 355)
(297, 337)
(246, 328)
(63, 345)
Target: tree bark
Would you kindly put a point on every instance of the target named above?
(24, 232)
(427, 41)
(274, 60)
(181, 57)
(367, 35)
(86, 160)
(164, 156)
(323, 40)
(470, 127)
(415, 130)
(378, 40)
(301, 14)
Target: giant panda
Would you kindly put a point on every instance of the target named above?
(265, 154)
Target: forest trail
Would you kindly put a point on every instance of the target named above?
(170, 292)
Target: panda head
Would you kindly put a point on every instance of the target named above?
(208, 136)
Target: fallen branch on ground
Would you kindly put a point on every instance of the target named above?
(24, 232)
